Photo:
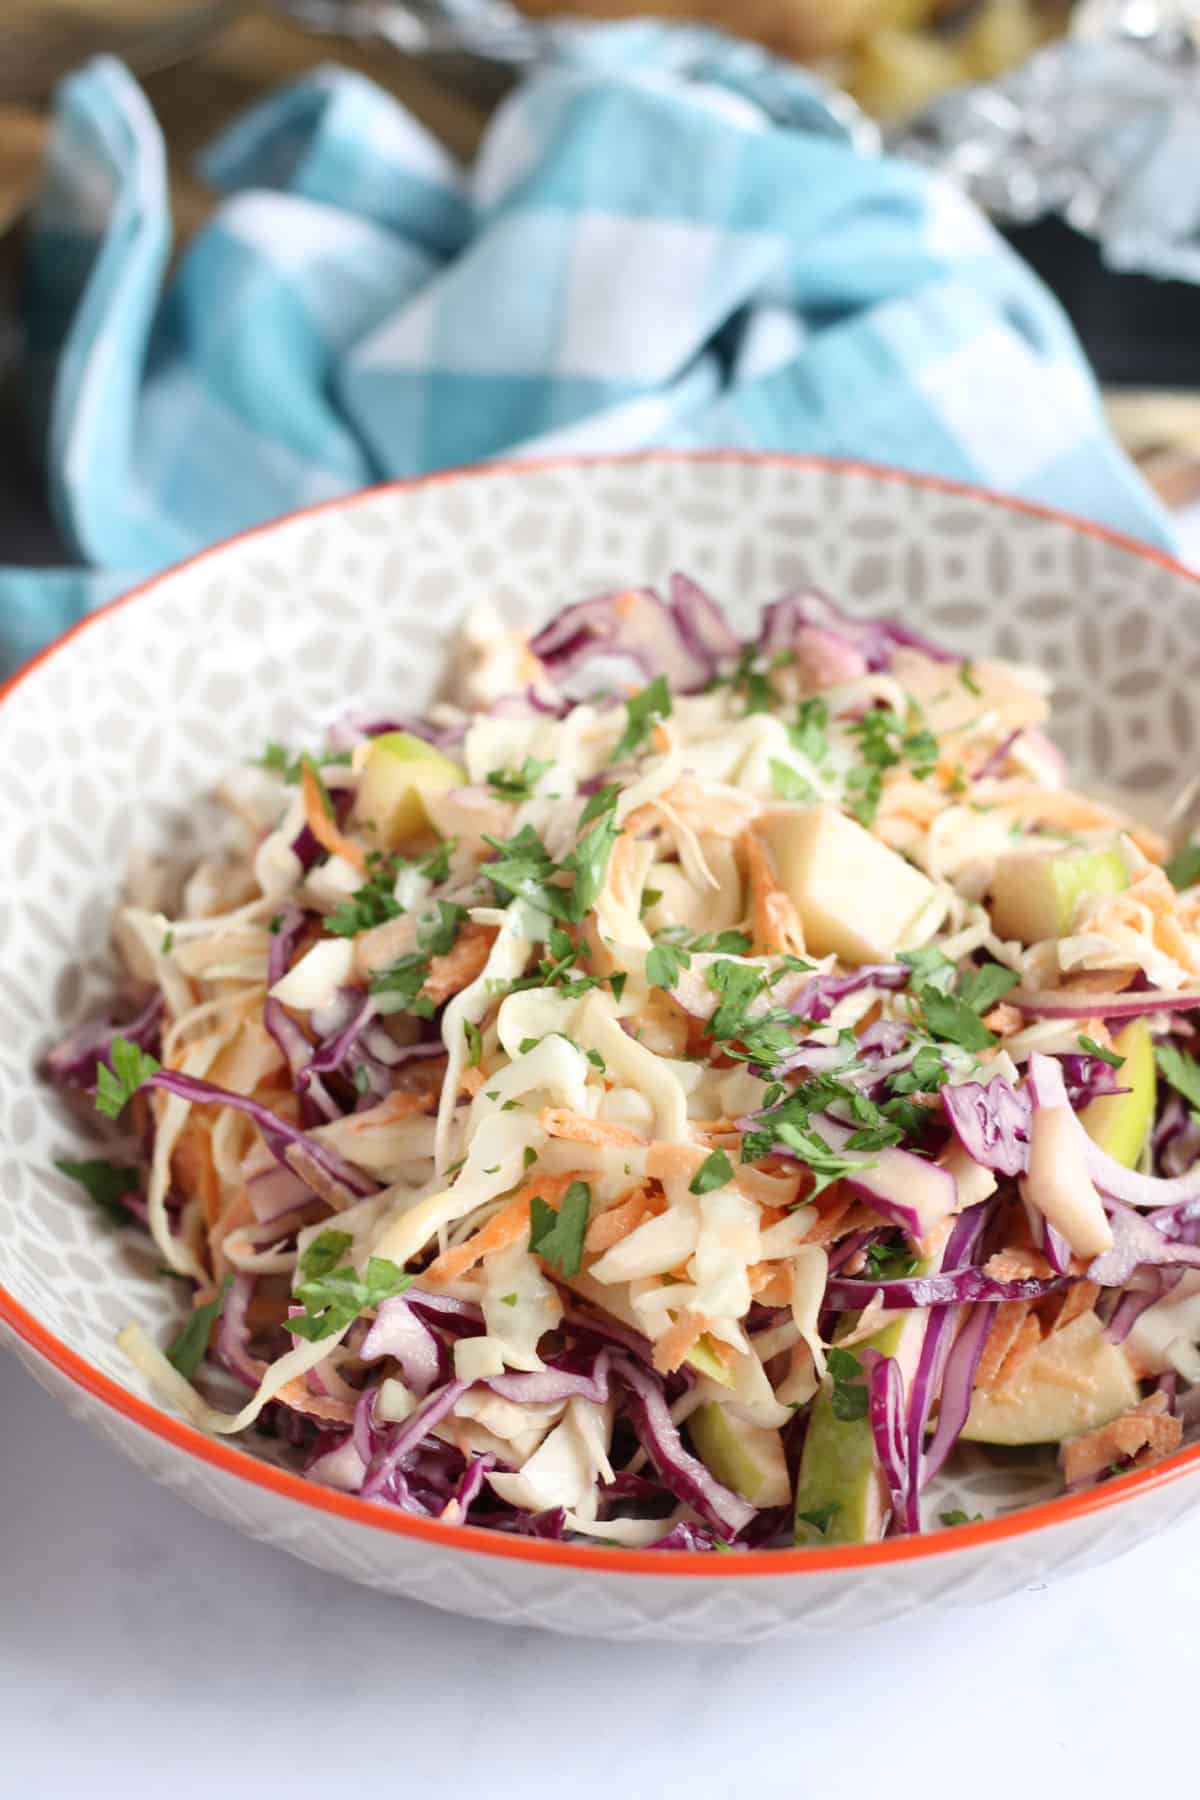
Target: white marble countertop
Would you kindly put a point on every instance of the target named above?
(150, 1654)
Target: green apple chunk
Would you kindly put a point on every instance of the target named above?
(857, 899)
(840, 1481)
(1036, 893)
(399, 768)
(1119, 1123)
(1075, 1381)
(747, 1458)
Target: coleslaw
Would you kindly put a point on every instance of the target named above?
(671, 1094)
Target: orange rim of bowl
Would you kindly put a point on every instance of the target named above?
(476, 1539)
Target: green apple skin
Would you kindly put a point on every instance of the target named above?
(398, 767)
(1074, 1382)
(1035, 893)
(747, 1458)
(1120, 1123)
(838, 1465)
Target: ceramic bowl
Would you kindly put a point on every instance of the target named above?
(112, 737)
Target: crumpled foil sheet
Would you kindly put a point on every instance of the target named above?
(1102, 127)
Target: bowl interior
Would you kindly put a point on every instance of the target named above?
(112, 740)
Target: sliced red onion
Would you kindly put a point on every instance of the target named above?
(701, 624)
(1133, 1302)
(548, 1386)
(335, 1462)
(993, 764)
(73, 1063)
(608, 1331)
(687, 1536)
(877, 640)
(885, 1038)
(634, 626)
(950, 1288)
(818, 998)
(277, 1134)
(682, 1473)
(1055, 1003)
(911, 1191)
(458, 1318)
(961, 1250)
(471, 1485)
(958, 1384)
(1046, 1083)
(1136, 1243)
(233, 1334)
(397, 1331)
(847, 1248)
(405, 1437)
(991, 1123)
(885, 1389)
(305, 846)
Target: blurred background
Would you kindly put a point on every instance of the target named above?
(906, 63)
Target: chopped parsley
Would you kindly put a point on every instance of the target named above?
(981, 988)
(597, 1061)
(966, 675)
(474, 1038)
(664, 963)
(276, 760)
(958, 1517)
(131, 1066)
(929, 968)
(884, 742)
(1182, 1071)
(788, 784)
(1090, 1047)
(809, 734)
(891, 1262)
(824, 1162)
(106, 1184)
(525, 868)
(518, 784)
(751, 684)
(437, 931)
(849, 1400)
(333, 1293)
(405, 979)
(188, 1351)
(715, 1171)
(168, 943)
(642, 713)
(557, 1237)
(1184, 868)
(953, 1021)
(374, 903)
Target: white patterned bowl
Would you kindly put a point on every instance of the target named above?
(107, 740)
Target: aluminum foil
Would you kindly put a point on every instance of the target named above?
(1102, 127)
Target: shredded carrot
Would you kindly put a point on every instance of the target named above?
(660, 737)
(503, 1229)
(323, 828)
(1006, 1323)
(830, 1223)
(451, 973)
(295, 1394)
(608, 1228)
(559, 1122)
(673, 1161)
(193, 1168)
(1004, 1019)
(774, 922)
(237, 1211)
(1018, 1265)
(1147, 1431)
(1058, 1310)
(470, 1081)
(1026, 1342)
(672, 1347)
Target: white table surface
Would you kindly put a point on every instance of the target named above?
(148, 1652)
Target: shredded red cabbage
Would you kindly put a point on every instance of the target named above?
(991, 1123)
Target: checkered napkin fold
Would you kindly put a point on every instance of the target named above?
(666, 238)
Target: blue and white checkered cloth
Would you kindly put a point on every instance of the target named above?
(666, 238)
